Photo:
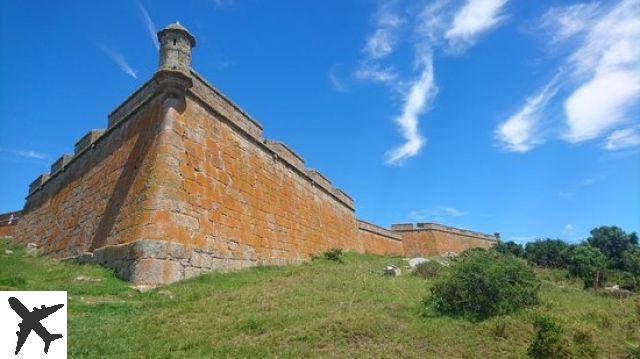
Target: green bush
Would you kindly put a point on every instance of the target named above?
(588, 263)
(481, 284)
(631, 261)
(334, 254)
(548, 341)
(428, 269)
(552, 253)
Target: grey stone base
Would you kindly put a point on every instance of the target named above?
(152, 262)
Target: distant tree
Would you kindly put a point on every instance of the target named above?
(631, 260)
(612, 241)
(588, 263)
(548, 253)
(510, 247)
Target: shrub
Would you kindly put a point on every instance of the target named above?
(481, 284)
(334, 254)
(428, 269)
(613, 242)
(548, 253)
(631, 260)
(588, 264)
(548, 341)
(510, 247)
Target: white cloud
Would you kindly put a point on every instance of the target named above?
(335, 81)
(31, 154)
(415, 104)
(223, 3)
(519, 132)
(473, 19)
(384, 38)
(26, 153)
(565, 22)
(605, 63)
(602, 66)
(376, 73)
(600, 104)
(119, 59)
(438, 213)
(151, 27)
(568, 230)
(623, 139)
(428, 34)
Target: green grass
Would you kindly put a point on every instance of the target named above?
(322, 308)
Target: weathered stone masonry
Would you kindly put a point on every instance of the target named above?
(182, 182)
(435, 239)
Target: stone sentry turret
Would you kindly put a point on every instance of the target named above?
(176, 43)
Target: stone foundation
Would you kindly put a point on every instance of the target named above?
(153, 262)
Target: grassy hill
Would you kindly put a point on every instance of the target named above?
(322, 308)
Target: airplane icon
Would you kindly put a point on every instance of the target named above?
(31, 321)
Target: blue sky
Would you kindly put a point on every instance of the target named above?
(520, 117)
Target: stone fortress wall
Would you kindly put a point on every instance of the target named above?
(428, 239)
(182, 182)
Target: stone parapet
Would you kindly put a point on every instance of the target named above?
(87, 140)
(217, 102)
(286, 153)
(381, 231)
(144, 93)
(61, 163)
(319, 178)
(402, 227)
(38, 182)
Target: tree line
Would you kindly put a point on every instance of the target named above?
(608, 254)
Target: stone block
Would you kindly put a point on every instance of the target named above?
(38, 182)
(61, 163)
(155, 271)
(402, 226)
(87, 140)
(344, 197)
(149, 249)
(286, 153)
(190, 272)
(319, 178)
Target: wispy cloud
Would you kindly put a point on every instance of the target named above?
(519, 133)
(374, 72)
(24, 153)
(384, 39)
(336, 83)
(568, 230)
(415, 104)
(119, 59)
(603, 68)
(601, 104)
(609, 58)
(151, 27)
(437, 213)
(623, 139)
(439, 24)
(473, 19)
(223, 3)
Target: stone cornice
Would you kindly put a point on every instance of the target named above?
(409, 227)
